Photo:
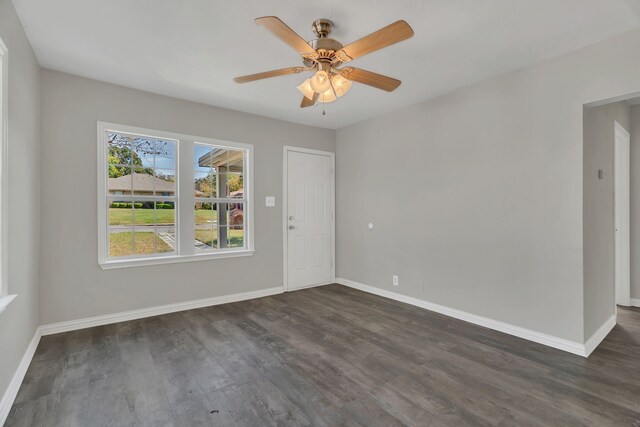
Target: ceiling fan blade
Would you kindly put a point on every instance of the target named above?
(287, 35)
(267, 74)
(391, 34)
(306, 102)
(371, 79)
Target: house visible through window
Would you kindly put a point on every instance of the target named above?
(147, 218)
(141, 194)
(219, 192)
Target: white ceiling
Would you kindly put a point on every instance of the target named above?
(192, 49)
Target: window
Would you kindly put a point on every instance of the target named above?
(220, 197)
(155, 208)
(5, 298)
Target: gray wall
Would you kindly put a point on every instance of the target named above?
(20, 320)
(73, 286)
(635, 202)
(476, 196)
(598, 214)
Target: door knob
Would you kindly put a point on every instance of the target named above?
(290, 217)
(291, 227)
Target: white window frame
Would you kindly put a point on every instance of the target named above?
(184, 199)
(5, 298)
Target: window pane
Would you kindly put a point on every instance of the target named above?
(165, 182)
(144, 241)
(205, 228)
(205, 213)
(207, 157)
(230, 220)
(204, 161)
(165, 227)
(154, 230)
(119, 149)
(206, 239)
(142, 151)
(120, 229)
(205, 184)
(234, 186)
(231, 236)
(119, 181)
(143, 181)
(235, 214)
(165, 154)
(236, 225)
(236, 236)
(235, 161)
(230, 213)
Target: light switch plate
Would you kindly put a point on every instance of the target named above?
(270, 201)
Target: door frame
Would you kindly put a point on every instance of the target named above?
(619, 130)
(285, 209)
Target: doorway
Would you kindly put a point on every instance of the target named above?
(308, 218)
(622, 206)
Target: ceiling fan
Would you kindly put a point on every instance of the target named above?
(324, 56)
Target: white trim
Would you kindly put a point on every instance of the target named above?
(548, 340)
(622, 268)
(619, 128)
(285, 200)
(4, 301)
(11, 392)
(626, 97)
(4, 168)
(183, 228)
(173, 259)
(635, 302)
(316, 285)
(285, 224)
(89, 322)
(599, 335)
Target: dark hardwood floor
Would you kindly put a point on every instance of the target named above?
(324, 356)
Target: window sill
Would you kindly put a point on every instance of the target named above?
(140, 262)
(4, 301)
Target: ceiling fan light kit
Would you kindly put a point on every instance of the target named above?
(323, 56)
(320, 81)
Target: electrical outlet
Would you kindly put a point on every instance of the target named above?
(395, 280)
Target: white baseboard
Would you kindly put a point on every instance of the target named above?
(312, 286)
(89, 322)
(528, 334)
(635, 302)
(599, 335)
(12, 391)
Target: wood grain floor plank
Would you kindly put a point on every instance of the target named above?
(324, 356)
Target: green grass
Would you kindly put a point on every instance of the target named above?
(205, 217)
(118, 216)
(144, 243)
(236, 238)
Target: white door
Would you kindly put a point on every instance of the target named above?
(622, 214)
(309, 219)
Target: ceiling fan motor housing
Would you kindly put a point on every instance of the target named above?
(323, 45)
(322, 28)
